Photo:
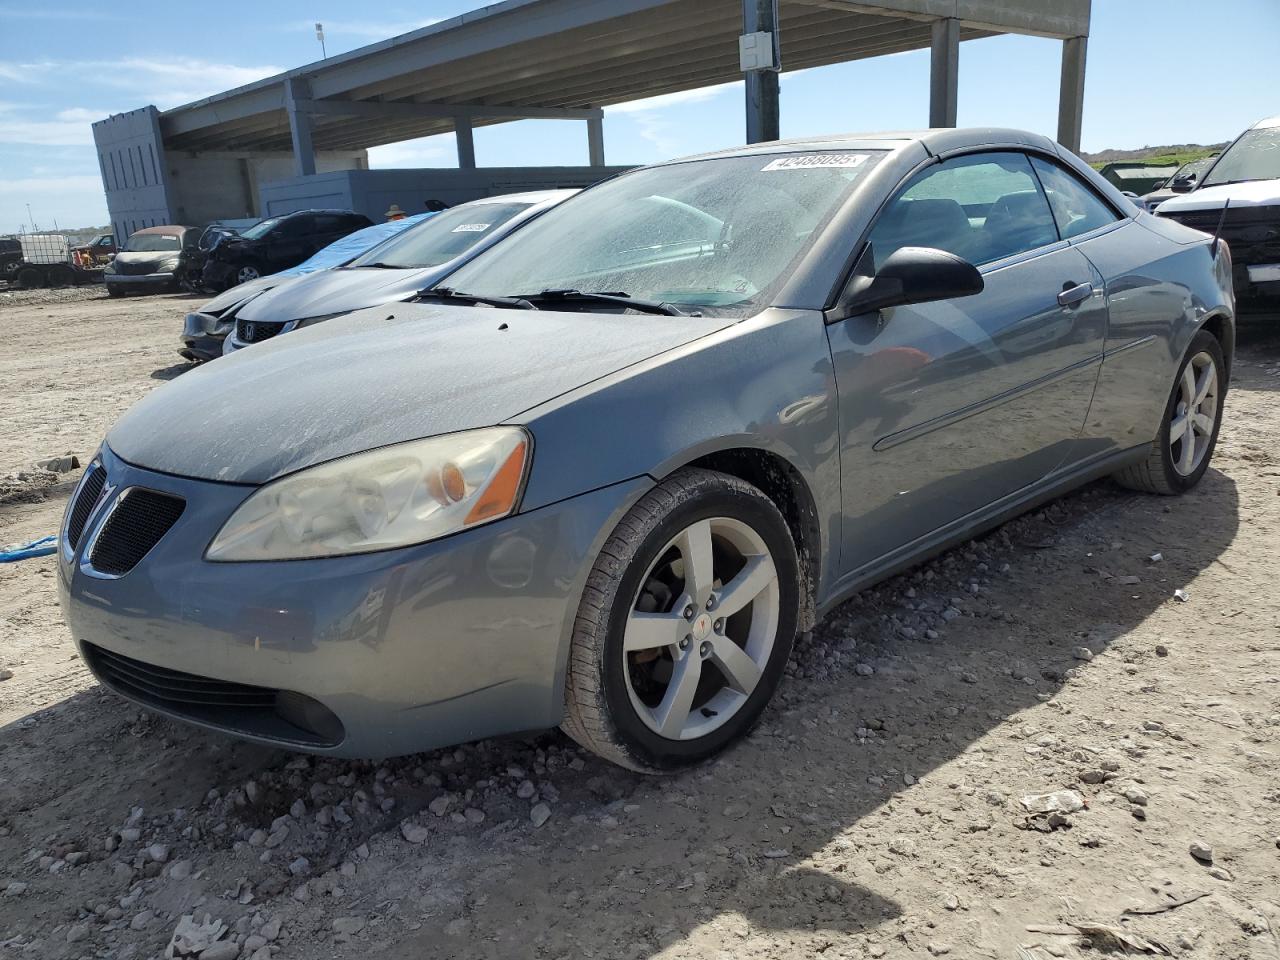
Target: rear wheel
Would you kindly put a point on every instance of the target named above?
(27, 278)
(61, 275)
(1180, 454)
(685, 624)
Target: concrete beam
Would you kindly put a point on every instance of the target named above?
(763, 119)
(429, 111)
(595, 142)
(944, 72)
(1071, 93)
(304, 151)
(466, 143)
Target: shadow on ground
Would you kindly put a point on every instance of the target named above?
(710, 843)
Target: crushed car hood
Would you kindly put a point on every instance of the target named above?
(243, 291)
(148, 258)
(328, 292)
(376, 377)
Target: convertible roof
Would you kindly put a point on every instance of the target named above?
(936, 141)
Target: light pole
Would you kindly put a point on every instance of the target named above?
(320, 36)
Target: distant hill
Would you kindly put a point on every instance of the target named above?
(1172, 154)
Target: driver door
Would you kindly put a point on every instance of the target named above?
(948, 407)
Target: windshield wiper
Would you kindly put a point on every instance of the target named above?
(618, 297)
(449, 295)
(383, 266)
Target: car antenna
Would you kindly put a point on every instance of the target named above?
(1217, 234)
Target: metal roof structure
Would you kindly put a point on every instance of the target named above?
(568, 58)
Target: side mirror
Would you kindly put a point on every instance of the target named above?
(111, 256)
(1183, 184)
(912, 275)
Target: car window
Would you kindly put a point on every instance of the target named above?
(331, 223)
(152, 243)
(295, 227)
(260, 229)
(1076, 208)
(983, 207)
(1255, 156)
(716, 233)
(441, 238)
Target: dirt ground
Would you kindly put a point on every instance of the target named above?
(875, 813)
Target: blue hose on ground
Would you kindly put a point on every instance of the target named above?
(36, 548)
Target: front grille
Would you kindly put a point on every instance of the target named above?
(139, 520)
(134, 269)
(237, 707)
(171, 688)
(90, 490)
(247, 331)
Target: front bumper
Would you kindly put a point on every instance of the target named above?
(203, 335)
(144, 280)
(410, 649)
(218, 274)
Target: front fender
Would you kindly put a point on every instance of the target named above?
(763, 384)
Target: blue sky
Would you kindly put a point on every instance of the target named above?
(1159, 71)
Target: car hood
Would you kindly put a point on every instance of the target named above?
(146, 256)
(1254, 193)
(376, 377)
(336, 291)
(242, 292)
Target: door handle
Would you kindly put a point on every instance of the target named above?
(1075, 293)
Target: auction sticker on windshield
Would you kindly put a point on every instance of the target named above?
(808, 161)
(472, 227)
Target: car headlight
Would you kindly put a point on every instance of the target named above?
(168, 266)
(391, 497)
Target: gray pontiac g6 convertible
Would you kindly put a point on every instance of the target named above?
(602, 478)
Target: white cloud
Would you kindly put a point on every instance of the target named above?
(166, 82)
(365, 29)
(69, 128)
(679, 98)
(437, 151)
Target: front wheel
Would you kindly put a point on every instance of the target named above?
(246, 272)
(685, 625)
(1180, 453)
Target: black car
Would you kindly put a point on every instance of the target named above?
(275, 244)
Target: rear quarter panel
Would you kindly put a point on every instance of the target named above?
(1162, 285)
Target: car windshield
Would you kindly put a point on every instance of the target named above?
(153, 243)
(716, 233)
(1255, 156)
(260, 228)
(441, 238)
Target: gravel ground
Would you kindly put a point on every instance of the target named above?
(877, 812)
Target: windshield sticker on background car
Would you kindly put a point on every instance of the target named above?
(472, 227)
(810, 160)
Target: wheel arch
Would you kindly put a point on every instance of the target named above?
(783, 483)
(1223, 327)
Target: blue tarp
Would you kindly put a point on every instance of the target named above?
(36, 548)
(352, 245)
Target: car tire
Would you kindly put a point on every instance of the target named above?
(1181, 451)
(28, 278)
(656, 706)
(61, 275)
(246, 272)
(114, 290)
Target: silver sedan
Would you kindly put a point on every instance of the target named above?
(602, 478)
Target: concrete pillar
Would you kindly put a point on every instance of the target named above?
(595, 141)
(466, 143)
(763, 122)
(1071, 93)
(944, 72)
(304, 153)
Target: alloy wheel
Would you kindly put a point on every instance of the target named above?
(245, 274)
(1194, 415)
(701, 629)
